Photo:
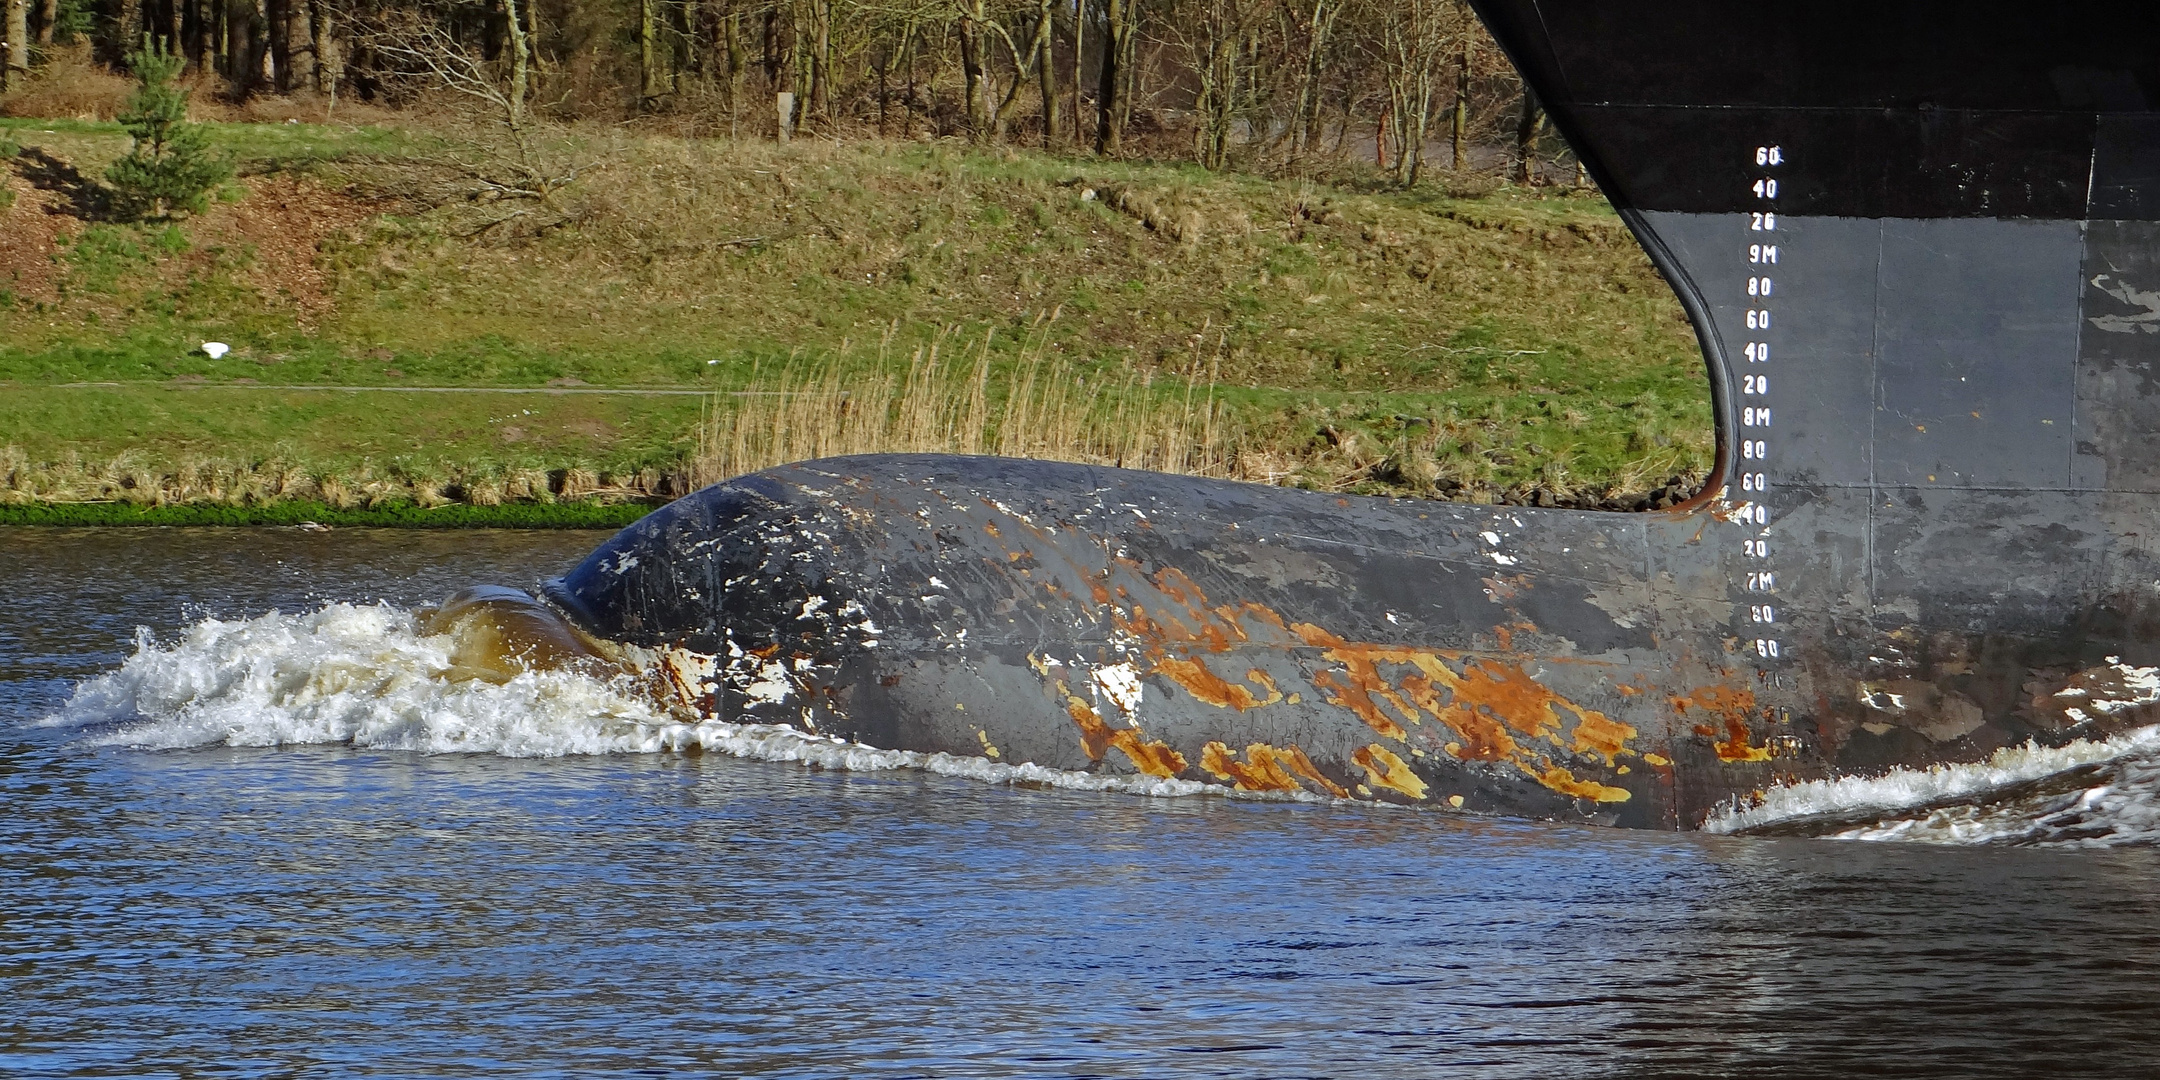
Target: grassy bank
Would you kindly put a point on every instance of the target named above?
(412, 345)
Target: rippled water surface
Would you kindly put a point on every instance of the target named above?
(351, 908)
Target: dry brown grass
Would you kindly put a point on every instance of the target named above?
(1043, 409)
(70, 85)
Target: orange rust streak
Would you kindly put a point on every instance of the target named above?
(1385, 770)
(1511, 694)
(1354, 698)
(1153, 758)
(1596, 733)
(1564, 782)
(1094, 734)
(1294, 756)
(1229, 617)
(1209, 687)
(1734, 706)
(1173, 582)
(1261, 771)
(1096, 737)
(1484, 738)
(1261, 679)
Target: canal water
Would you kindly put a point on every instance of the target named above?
(246, 829)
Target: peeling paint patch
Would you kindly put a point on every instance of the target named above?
(2114, 688)
(1121, 684)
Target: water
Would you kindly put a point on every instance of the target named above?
(525, 906)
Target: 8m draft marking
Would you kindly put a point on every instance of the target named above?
(1760, 617)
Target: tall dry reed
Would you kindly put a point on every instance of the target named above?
(1043, 408)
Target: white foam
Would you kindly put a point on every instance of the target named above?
(361, 675)
(368, 676)
(1951, 803)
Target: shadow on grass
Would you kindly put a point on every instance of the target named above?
(81, 197)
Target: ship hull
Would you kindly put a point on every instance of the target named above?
(1919, 250)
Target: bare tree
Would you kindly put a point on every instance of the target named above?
(512, 160)
(1211, 37)
(1413, 39)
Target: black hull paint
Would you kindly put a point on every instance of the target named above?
(1918, 245)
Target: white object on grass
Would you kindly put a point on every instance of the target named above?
(215, 349)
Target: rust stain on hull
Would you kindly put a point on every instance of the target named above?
(1097, 738)
(1499, 712)
(1384, 769)
(1268, 768)
(1733, 707)
(1205, 685)
(1260, 771)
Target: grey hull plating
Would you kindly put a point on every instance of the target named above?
(1932, 326)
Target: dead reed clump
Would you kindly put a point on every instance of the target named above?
(193, 480)
(576, 483)
(1043, 409)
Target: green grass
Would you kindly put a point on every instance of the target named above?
(340, 429)
(1522, 332)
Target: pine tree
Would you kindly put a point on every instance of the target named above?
(171, 168)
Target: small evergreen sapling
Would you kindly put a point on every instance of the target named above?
(170, 169)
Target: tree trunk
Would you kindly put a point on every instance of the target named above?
(300, 45)
(48, 15)
(17, 63)
(737, 59)
(262, 63)
(1526, 134)
(1046, 72)
(649, 77)
(520, 64)
(1079, 51)
(973, 76)
(326, 59)
(1130, 65)
(1305, 116)
(205, 37)
(821, 61)
(1109, 126)
(127, 31)
(775, 58)
(277, 20)
(1459, 117)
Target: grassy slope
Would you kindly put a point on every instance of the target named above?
(1527, 326)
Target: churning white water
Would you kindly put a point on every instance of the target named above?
(371, 676)
(2088, 793)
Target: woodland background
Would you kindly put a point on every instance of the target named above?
(1264, 85)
